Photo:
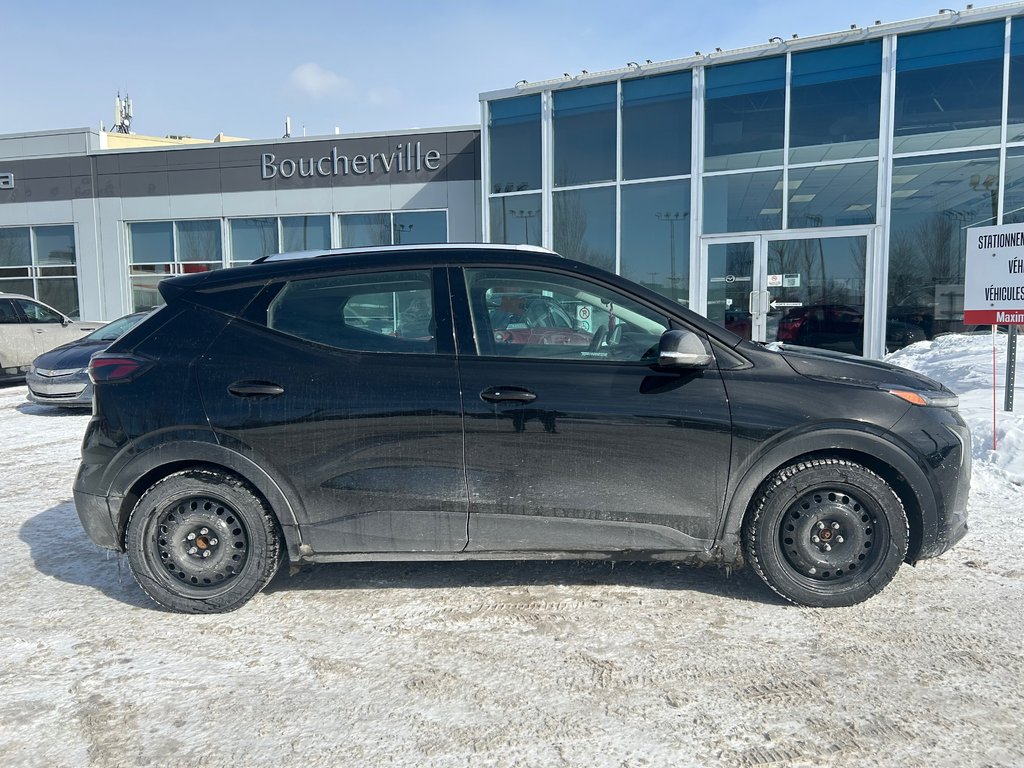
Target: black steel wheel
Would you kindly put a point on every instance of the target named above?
(826, 532)
(201, 541)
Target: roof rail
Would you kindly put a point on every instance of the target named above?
(402, 248)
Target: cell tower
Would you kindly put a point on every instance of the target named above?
(122, 114)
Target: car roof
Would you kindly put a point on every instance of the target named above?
(15, 296)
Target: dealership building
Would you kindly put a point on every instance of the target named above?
(90, 223)
(825, 182)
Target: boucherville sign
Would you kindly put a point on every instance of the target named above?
(405, 158)
(994, 283)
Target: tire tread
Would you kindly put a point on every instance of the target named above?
(767, 493)
(271, 560)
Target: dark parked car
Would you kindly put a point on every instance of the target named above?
(840, 327)
(27, 328)
(259, 417)
(61, 377)
(525, 318)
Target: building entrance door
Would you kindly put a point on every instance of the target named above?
(806, 288)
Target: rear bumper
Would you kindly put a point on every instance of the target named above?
(94, 514)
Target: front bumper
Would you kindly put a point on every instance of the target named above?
(953, 525)
(64, 388)
(949, 465)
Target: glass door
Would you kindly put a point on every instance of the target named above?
(729, 266)
(805, 288)
(816, 292)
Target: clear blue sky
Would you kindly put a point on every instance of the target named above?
(197, 68)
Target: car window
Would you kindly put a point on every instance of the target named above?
(381, 312)
(527, 313)
(37, 313)
(7, 312)
(115, 329)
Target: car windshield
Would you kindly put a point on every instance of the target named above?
(116, 328)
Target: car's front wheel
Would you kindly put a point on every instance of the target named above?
(200, 541)
(826, 532)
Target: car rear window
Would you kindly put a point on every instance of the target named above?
(379, 312)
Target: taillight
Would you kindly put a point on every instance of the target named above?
(111, 369)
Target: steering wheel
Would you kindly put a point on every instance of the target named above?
(598, 338)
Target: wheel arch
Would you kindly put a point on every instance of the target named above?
(153, 465)
(884, 458)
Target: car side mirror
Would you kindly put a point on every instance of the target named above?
(682, 349)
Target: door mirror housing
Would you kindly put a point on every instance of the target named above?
(682, 349)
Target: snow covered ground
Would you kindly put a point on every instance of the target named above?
(512, 664)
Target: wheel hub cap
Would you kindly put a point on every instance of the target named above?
(828, 535)
(200, 542)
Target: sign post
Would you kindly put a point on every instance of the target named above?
(994, 290)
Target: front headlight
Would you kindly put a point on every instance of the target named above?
(924, 398)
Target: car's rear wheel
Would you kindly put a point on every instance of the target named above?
(826, 533)
(200, 541)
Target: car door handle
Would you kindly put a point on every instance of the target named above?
(255, 389)
(507, 394)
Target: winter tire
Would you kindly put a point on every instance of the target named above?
(201, 541)
(826, 533)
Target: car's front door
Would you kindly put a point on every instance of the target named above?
(346, 388)
(46, 327)
(575, 440)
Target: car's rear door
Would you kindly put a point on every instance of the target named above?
(346, 389)
(579, 443)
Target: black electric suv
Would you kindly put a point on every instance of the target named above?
(403, 403)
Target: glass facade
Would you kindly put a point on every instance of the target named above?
(656, 130)
(159, 249)
(514, 127)
(835, 103)
(584, 130)
(361, 230)
(516, 219)
(253, 238)
(419, 227)
(41, 262)
(949, 88)
(895, 141)
(935, 198)
(743, 202)
(584, 222)
(745, 114)
(305, 233)
(655, 236)
(833, 195)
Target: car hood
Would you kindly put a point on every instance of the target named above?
(840, 367)
(74, 354)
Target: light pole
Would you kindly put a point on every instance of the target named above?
(525, 215)
(672, 217)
